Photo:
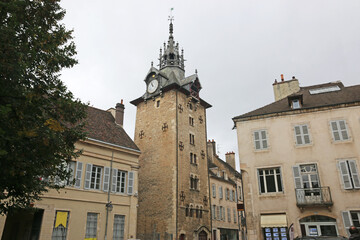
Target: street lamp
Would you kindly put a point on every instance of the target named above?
(109, 207)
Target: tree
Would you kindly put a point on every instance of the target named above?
(40, 120)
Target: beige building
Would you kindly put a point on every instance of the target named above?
(299, 159)
(225, 195)
(170, 131)
(84, 209)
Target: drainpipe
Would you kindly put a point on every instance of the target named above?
(108, 197)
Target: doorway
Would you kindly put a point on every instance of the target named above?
(202, 235)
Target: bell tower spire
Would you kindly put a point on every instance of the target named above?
(170, 56)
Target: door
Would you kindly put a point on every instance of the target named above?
(317, 225)
(311, 183)
(202, 235)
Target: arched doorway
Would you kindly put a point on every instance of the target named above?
(202, 235)
(317, 225)
(182, 237)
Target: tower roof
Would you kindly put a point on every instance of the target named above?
(170, 55)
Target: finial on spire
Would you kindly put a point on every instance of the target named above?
(152, 63)
(195, 71)
(171, 19)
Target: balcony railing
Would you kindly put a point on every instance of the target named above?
(313, 197)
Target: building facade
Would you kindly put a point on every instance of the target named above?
(84, 208)
(170, 131)
(225, 195)
(299, 158)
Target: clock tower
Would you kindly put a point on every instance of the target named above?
(170, 131)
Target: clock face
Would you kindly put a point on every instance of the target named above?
(153, 85)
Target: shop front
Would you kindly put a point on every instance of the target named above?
(274, 227)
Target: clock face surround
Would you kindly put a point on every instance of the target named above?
(152, 86)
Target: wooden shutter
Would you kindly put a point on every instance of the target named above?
(106, 179)
(354, 173)
(130, 188)
(88, 175)
(345, 175)
(78, 175)
(347, 219)
(264, 139)
(298, 135)
(297, 177)
(343, 130)
(335, 130)
(114, 180)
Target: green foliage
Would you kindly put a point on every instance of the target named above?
(40, 120)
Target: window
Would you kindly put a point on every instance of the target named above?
(118, 182)
(93, 177)
(193, 158)
(119, 226)
(295, 104)
(192, 139)
(214, 191)
(191, 212)
(187, 211)
(339, 130)
(351, 218)
(231, 195)
(190, 106)
(213, 211)
(218, 213)
(302, 134)
(91, 225)
(260, 139)
(60, 225)
(227, 194)
(349, 174)
(194, 182)
(270, 180)
(220, 192)
(229, 215)
(197, 212)
(191, 121)
(221, 213)
(235, 215)
(240, 193)
(158, 103)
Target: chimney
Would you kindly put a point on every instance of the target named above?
(284, 88)
(211, 149)
(230, 159)
(119, 114)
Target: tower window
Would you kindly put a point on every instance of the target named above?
(192, 139)
(194, 182)
(190, 106)
(191, 121)
(158, 103)
(296, 104)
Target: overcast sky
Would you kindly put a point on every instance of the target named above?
(238, 47)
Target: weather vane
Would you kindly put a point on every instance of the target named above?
(171, 17)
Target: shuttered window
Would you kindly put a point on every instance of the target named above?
(214, 191)
(351, 218)
(220, 192)
(339, 130)
(302, 135)
(260, 139)
(349, 174)
(119, 227)
(93, 177)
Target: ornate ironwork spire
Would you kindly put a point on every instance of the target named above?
(171, 57)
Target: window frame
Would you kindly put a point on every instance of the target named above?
(261, 140)
(339, 131)
(88, 233)
(276, 180)
(121, 223)
(302, 135)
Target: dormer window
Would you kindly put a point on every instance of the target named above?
(296, 104)
(295, 101)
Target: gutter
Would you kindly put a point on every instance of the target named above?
(114, 145)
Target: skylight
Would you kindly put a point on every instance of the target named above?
(324, 90)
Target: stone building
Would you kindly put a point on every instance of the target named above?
(84, 209)
(299, 159)
(170, 131)
(225, 195)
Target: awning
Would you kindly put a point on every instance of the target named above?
(273, 220)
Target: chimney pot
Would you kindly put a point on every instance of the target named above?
(282, 77)
(293, 77)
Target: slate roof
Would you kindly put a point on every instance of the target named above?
(346, 95)
(100, 125)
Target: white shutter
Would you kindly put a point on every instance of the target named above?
(347, 219)
(130, 188)
(88, 176)
(343, 130)
(114, 180)
(213, 190)
(345, 175)
(106, 179)
(264, 139)
(78, 175)
(298, 135)
(354, 173)
(231, 195)
(297, 177)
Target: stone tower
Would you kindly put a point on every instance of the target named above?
(171, 134)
